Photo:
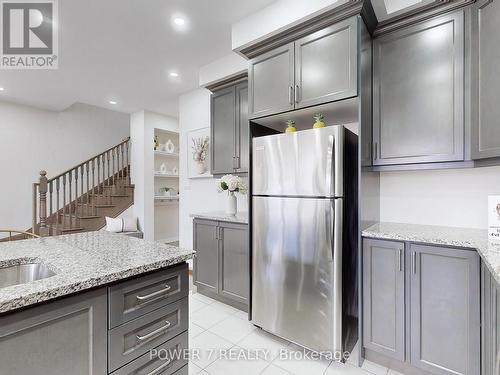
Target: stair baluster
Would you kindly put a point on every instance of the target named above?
(127, 145)
(58, 213)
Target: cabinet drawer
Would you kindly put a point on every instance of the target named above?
(168, 359)
(131, 299)
(137, 337)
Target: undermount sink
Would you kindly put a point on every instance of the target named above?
(23, 273)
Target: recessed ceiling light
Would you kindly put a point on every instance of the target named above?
(1, 89)
(113, 102)
(179, 21)
(174, 74)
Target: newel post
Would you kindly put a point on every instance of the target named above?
(44, 230)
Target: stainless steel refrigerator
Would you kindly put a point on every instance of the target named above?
(297, 245)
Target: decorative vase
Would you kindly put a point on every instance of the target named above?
(163, 168)
(290, 127)
(231, 205)
(169, 147)
(318, 121)
(200, 167)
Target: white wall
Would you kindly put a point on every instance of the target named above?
(221, 68)
(196, 195)
(276, 17)
(34, 139)
(142, 125)
(455, 197)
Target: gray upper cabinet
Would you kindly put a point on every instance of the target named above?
(234, 257)
(206, 245)
(445, 310)
(271, 82)
(223, 130)
(58, 338)
(326, 65)
(229, 129)
(319, 68)
(485, 79)
(242, 129)
(418, 93)
(384, 298)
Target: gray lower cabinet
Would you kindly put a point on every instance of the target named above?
(229, 130)
(233, 263)
(326, 65)
(418, 92)
(206, 262)
(445, 310)
(384, 298)
(491, 324)
(421, 306)
(271, 82)
(221, 268)
(57, 338)
(485, 79)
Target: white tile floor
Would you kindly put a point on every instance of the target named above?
(214, 325)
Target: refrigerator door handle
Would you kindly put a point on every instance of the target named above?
(337, 183)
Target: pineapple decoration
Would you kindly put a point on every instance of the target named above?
(290, 126)
(318, 121)
(156, 143)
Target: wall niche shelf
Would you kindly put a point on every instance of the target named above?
(166, 154)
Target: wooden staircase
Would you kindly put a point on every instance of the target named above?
(79, 199)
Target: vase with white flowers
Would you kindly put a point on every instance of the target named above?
(231, 184)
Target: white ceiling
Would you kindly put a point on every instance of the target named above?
(386, 9)
(123, 50)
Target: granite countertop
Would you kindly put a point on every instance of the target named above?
(81, 261)
(489, 250)
(240, 217)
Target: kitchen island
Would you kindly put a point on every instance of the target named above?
(92, 303)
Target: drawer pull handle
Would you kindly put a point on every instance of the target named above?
(154, 294)
(155, 332)
(161, 368)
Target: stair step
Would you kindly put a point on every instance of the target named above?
(101, 205)
(66, 230)
(88, 217)
(119, 195)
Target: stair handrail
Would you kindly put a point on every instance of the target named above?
(45, 187)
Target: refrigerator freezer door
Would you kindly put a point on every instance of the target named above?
(296, 279)
(305, 163)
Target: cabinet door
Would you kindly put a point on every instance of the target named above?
(223, 118)
(242, 128)
(206, 245)
(418, 93)
(384, 297)
(62, 337)
(491, 323)
(485, 79)
(326, 65)
(234, 257)
(270, 80)
(445, 310)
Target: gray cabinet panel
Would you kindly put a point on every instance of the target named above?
(131, 299)
(206, 245)
(137, 337)
(165, 359)
(445, 310)
(234, 257)
(491, 324)
(242, 128)
(485, 79)
(384, 297)
(326, 64)
(223, 130)
(418, 112)
(58, 338)
(271, 80)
